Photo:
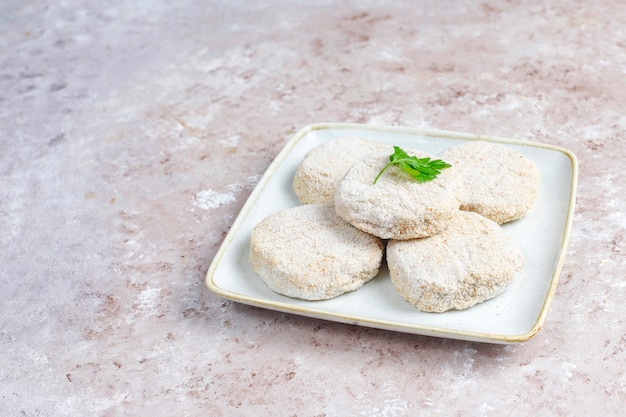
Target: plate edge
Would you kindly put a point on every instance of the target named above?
(248, 205)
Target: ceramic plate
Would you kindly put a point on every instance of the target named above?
(514, 316)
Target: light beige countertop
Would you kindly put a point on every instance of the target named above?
(132, 133)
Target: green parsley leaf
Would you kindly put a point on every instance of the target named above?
(421, 169)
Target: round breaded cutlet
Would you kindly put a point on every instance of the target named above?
(308, 252)
(397, 206)
(498, 182)
(473, 260)
(321, 169)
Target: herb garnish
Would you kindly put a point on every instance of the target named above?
(421, 169)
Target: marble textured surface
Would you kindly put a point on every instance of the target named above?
(133, 131)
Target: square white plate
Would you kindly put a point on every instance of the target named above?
(514, 316)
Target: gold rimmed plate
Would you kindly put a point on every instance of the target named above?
(514, 316)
